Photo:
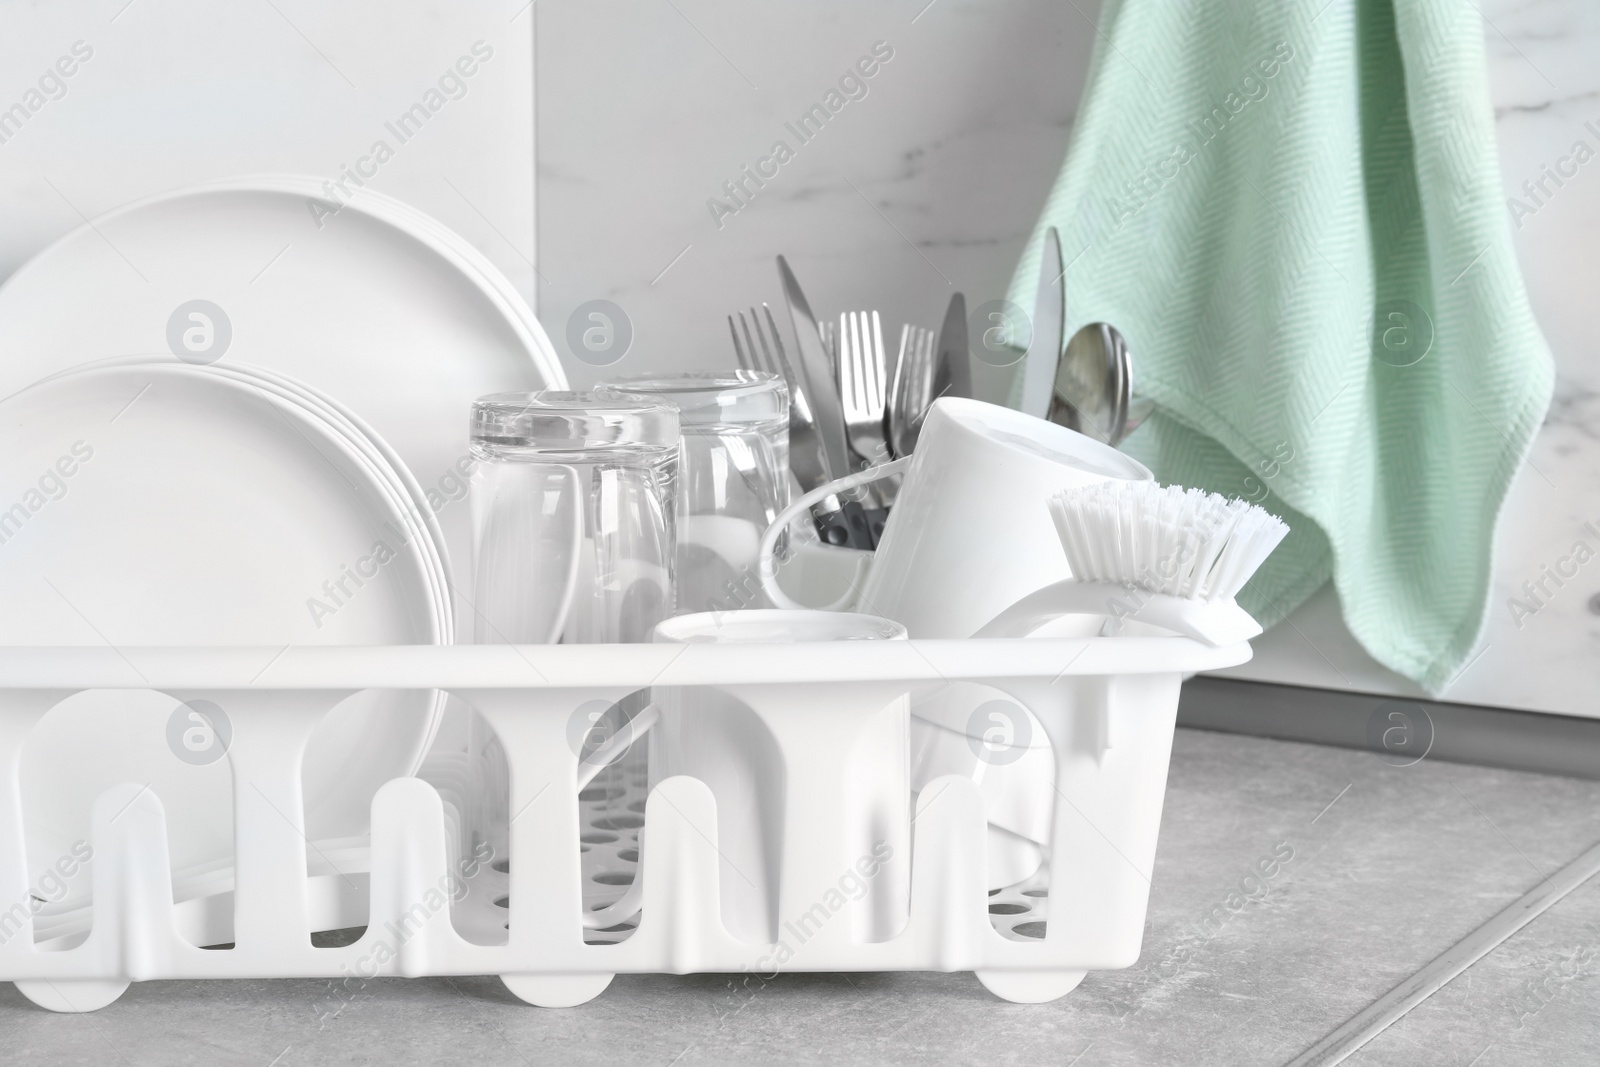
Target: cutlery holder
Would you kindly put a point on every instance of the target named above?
(1108, 705)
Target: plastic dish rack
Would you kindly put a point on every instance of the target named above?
(1108, 705)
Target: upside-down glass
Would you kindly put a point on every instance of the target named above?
(574, 541)
(734, 481)
(573, 517)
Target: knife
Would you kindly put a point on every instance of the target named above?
(952, 362)
(849, 525)
(1049, 325)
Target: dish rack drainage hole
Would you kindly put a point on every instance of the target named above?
(1018, 912)
(609, 827)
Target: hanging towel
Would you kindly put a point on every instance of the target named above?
(1293, 212)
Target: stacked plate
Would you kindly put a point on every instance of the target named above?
(168, 495)
(368, 300)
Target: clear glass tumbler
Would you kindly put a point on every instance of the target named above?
(574, 522)
(734, 481)
(574, 517)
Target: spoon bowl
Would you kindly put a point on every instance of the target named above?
(1094, 384)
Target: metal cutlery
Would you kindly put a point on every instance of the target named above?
(1093, 384)
(952, 368)
(864, 393)
(817, 370)
(830, 342)
(760, 349)
(911, 389)
(848, 410)
(861, 384)
(1085, 384)
(1040, 368)
(758, 346)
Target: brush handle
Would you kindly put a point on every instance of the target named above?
(1217, 623)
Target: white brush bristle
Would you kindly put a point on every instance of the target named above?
(1165, 539)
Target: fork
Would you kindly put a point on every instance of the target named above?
(758, 346)
(861, 385)
(911, 391)
(760, 350)
(862, 394)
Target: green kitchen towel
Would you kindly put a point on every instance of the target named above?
(1293, 212)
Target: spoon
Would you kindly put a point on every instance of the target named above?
(1094, 386)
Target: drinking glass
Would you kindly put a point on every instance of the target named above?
(733, 483)
(574, 541)
(573, 517)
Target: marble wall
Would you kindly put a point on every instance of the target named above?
(926, 185)
(176, 92)
(929, 183)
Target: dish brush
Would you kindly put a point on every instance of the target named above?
(1164, 555)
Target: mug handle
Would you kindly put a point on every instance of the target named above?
(767, 566)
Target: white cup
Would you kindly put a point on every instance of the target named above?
(969, 536)
(707, 734)
(971, 533)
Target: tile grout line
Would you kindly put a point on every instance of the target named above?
(1389, 1008)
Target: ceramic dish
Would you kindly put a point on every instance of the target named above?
(200, 509)
(379, 307)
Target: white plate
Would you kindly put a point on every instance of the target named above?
(371, 449)
(380, 308)
(207, 512)
(335, 807)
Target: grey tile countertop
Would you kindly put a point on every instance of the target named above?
(1387, 867)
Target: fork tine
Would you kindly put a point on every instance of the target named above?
(738, 349)
(875, 366)
(863, 360)
(750, 337)
(768, 361)
(864, 357)
(847, 361)
(776, 356)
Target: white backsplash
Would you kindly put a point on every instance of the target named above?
(184, 91)
(930, 183)
(927, 185)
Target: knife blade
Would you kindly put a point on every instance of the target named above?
(952, 367)
(1049, 325)
(826, 407)
(815, 370)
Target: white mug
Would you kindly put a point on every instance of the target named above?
(969, 536)
(970, 533)
(706, 733)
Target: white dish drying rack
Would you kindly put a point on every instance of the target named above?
(1108, 705)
